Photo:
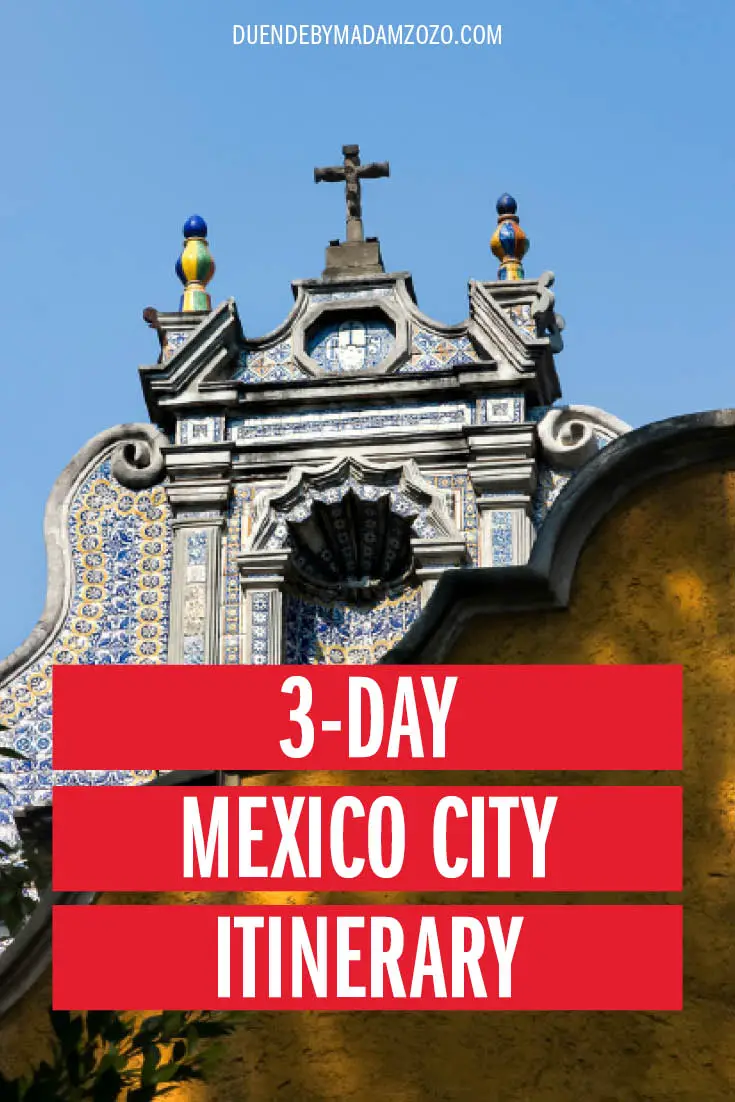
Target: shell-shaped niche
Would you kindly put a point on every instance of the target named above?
(351, 549)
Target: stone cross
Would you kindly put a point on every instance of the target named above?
(351, 173)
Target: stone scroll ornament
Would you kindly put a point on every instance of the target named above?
(548, 322)
(569, 436)
(137, 461)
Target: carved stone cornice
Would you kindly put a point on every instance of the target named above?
(262, 568)
(499, 443)
(504, 478)
(527, 360)
(432, 556)
(198, 361)
(200, 484)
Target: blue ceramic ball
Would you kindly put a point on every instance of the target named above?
(506, 204)
(195, 226)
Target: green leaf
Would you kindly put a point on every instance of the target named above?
(151, 1061)
(111, 1059)
(106, 1075)
(147, 1030)
(165, 1073)
(172, 1022)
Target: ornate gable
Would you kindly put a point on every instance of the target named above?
(298, 495)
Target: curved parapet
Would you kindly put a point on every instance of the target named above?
(108, 542)
(108, 545)
(632, 461)
(134, 450)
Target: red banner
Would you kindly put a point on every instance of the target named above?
(381, 958)
(365, 838)
(332, 717)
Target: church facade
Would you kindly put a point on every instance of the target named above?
(296, 497)
(366, 484)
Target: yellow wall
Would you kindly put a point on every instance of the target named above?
(655, 584)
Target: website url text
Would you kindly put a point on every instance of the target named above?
(366, 34)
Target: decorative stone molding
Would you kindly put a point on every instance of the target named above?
(548, 323)
(324, 313)
(434, 542)
(569, 436)
(408, 490)
(489, 327)
(433, 557)
(200, 359)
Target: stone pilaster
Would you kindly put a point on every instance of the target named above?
(262, 575)
(199, 495)
(503, 474)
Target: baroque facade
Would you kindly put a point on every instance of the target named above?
(296, 497)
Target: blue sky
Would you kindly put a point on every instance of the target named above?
(610, 122)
